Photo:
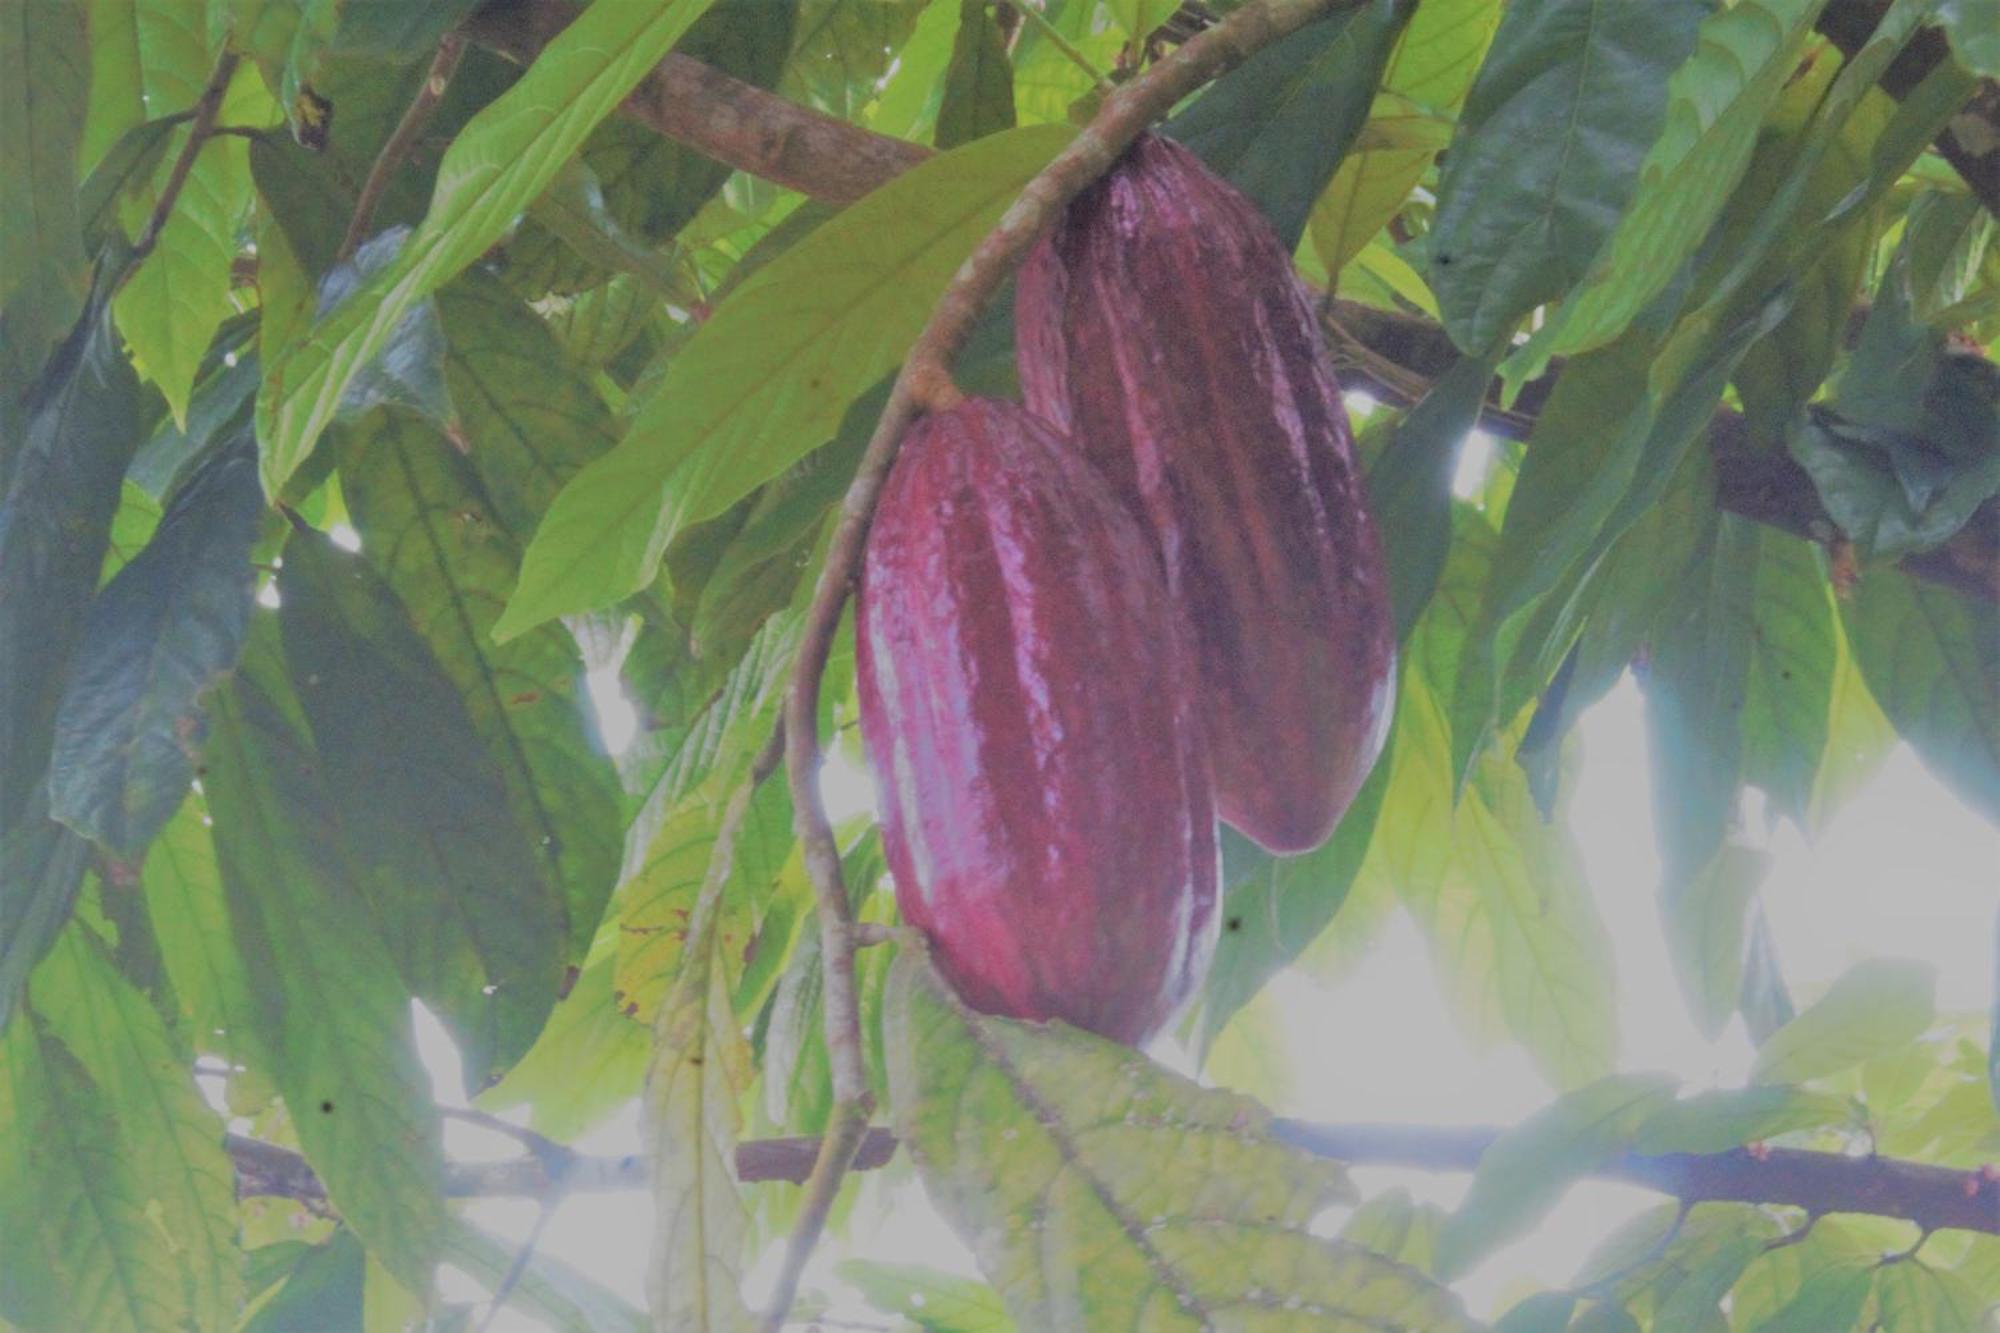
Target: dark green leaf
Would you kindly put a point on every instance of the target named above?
(471, 913)
(1572, 96)
(1410, 484)
(190, 919)
(44, 89)
(1927, 655)
(333, 1020)
(408, 371)
(323, 1291)
(1544, 1312)
(979, 82)
(1525, 1172)
(1975, 35)
(1274, 907)
(55, 522)
(157, 638)
(1792, 659)
(1278, 125)
(398, 30)
(42, 864)
(128, 168)
(218, 412)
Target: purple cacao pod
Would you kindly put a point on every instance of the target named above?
(1026, 708)
(1161, 327)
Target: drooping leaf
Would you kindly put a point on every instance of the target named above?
(590, 1060)
(55, 520)
(979, 82)
(471, 913)
(159, 635)
(1792, 660)
(939, 1302)
(333, 1018)
(701, 1066)
(496, 165)
(185, 902)
(169, 1139)
(1572, 96)
(45, 72)
(769, 376)
(1926, 653)
(1098, 1190)
(77, 1247)
(441, 529)
(1743, 55)
(1524, 1173)
(179, 296)
(324, 1289)
(1277, 126)
(1874, 1007)
(1424, 82)
(42, 865)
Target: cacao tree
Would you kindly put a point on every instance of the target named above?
(476, 474)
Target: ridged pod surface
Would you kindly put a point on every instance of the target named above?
(1161, 327)
(1025, 705)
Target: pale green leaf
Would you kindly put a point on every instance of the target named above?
(183, 890)
(769, 377)
(1915, 1297)
(504, 158)
(1873, 1008)
(1099, 1191)
(1792, 663)
(547, 1288)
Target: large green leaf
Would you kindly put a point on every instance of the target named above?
(44, 89)
(494, 167)
(432, 523)
(979, 81)
(176, 299)
(1716, 100)
(157, 638)
(940, 1302)
(840, 51)
(589, 1061)
(770, 375)
(1874, 1008)
(166, 1132)
(1792, 663)
(1277, 126)
(1975, 34)
(1927, 656)
(333, 1018)
(55, 521)
(546, 1287)
(1423, 83)
(1525, 1172)
(184, 897)
(77, 1247)
(470, 910)
(1571, 98)
(1915, 1297)
(1100, 1191)
(42, 865)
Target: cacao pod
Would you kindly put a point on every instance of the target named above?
(1161, 327)
(1026, 708)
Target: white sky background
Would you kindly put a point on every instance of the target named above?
(1906, 869)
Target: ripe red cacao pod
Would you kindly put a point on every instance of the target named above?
(1026, 708)
(1161, 327)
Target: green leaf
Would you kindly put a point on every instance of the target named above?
(979, 82)
(166, 1132)
(1926, 655)
(1397, 1227)
(1426, 79)
(501, 160)
(324, 1290)
(157, 638)
(1915, 1297)
(547, 1288)
(55, 522)
(432, 522)
(1874, 1007)
(1832, 1298)
(589, 1061)
(1974, 30)
(1716, 100)
(178, 296)
(840, 51)
(1714, 1122)
(1277, 126)
(1544, 1312)
(769, 376)
(333, 1018)
(115, 182)
(935, 1302)
(399, 32)
(45, 75)
(77, 1247)
(42, 864)
(1528, 1168)
(1793, 656)
(701, 1066)
(184, 897)
(1572, 96)
(1274, 907)
(470, 911)
(1098, 1190)
(1139, 18)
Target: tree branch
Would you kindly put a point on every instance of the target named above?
(1935, 1198)
(199, 133)
(387, 162)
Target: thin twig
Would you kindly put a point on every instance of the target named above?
(1049, 33)
(199, 133)
(390, 160)
(925, 383)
